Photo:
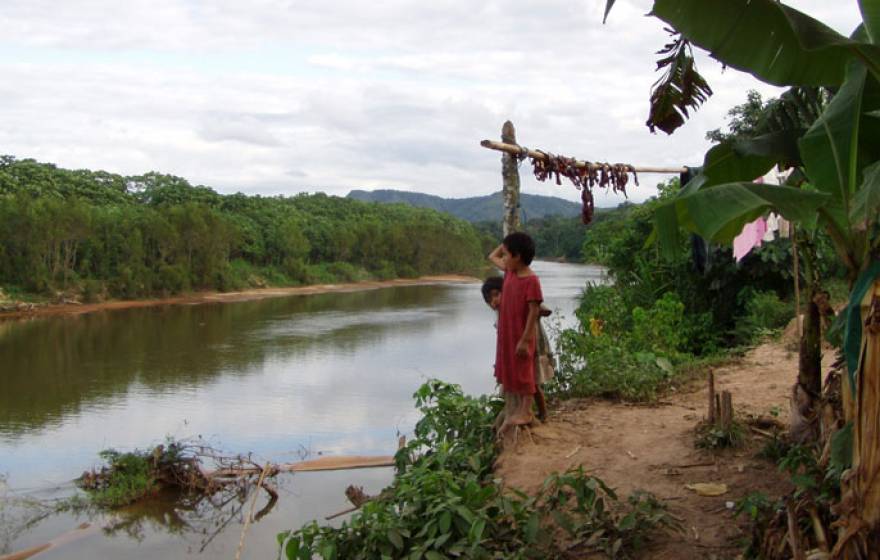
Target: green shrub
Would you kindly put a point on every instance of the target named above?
(92, 290)
(604, 366)
(126, 478)
(173, 279)
(347, 272)
(764, 314)
(383, 270)
(446, 503)
(606, 304)
(407, 271)
(660, 328)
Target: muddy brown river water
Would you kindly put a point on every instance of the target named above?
(328, 374)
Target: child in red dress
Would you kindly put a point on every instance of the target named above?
(517, 326)
(544, 362)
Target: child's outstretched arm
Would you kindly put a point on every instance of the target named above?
(497, 257)
(522, 347)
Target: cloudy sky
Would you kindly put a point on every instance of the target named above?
(284, 96)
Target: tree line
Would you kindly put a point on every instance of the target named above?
(105, 234)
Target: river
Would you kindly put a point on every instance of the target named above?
(284, 378)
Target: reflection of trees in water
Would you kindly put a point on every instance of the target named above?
(169, 512)
(173, 513)
(53, 367)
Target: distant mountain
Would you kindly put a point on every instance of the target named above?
(476, 208)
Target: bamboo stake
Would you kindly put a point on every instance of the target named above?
(247, 522)
(514, 149)
(711, 418)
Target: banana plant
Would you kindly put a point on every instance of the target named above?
(838, 159)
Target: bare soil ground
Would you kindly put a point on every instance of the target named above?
(215, 297)
(651, 447)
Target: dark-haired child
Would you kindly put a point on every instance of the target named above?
(518, 314)
(491, 290)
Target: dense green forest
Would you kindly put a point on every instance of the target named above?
(102, 234)
(475, 208)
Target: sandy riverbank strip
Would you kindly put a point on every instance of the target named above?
(245, 295)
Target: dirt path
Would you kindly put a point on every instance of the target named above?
(245, 295)
(651, 447)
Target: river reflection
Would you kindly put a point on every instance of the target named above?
(330, 373)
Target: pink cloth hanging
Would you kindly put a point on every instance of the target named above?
(750, 237)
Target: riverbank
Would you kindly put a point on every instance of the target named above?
(198, 298)
(651, 447)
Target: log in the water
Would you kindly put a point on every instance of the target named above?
(340, 463)
(83, 530)
(344, 462)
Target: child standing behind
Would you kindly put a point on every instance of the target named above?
(517, 326)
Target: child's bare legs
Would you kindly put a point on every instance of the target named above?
(523, 413)
(541, 404)
(517, 412)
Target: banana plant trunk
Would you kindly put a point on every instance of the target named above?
(810, 357)
(860, 503)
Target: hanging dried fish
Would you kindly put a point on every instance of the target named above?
(584, 176)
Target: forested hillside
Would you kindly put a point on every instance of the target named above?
(476, 208)
(104, 234)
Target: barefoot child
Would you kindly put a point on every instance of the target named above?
(491, 290)
(517, 326)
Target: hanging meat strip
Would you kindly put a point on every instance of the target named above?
(584, 177)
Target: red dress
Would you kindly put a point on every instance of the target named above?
(516, 374)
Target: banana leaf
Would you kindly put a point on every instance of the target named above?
(830, 147)
(866, 203)
(852, 344)
(743, 160)
(719, 212)
(767, 39)
(871, 16)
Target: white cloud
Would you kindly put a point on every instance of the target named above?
(279, 96)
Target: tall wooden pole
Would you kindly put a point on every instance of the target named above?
(510, 178)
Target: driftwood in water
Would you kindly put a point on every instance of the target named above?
(81, 531)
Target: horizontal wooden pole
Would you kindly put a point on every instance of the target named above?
(517, 150)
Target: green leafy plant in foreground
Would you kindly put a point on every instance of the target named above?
(445, 502)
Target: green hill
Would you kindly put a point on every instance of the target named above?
(476, 208)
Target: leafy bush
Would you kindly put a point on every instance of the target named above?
(660, 328)
(127, 477)
(764, 314)
(92, 290)
(604, 366)
(173, 278)
(445, 502)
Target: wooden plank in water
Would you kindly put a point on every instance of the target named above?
(340, 463)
